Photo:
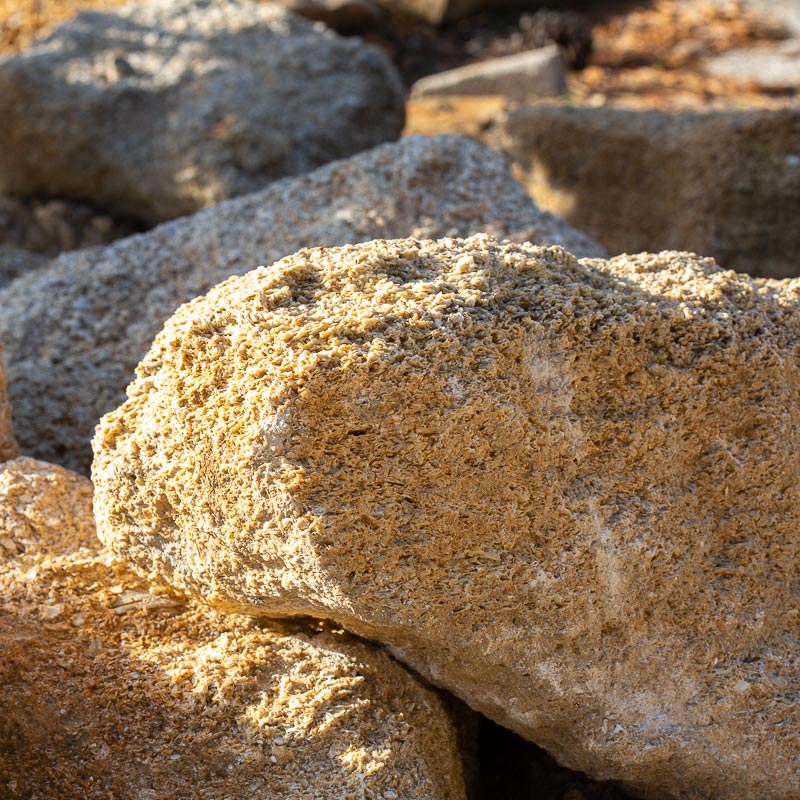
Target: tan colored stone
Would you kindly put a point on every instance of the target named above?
(566, 491)
(724, 184)
(8, 446)
(109, 689)
(75, 332)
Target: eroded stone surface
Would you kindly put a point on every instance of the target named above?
(108, 689)
(567, 491)
(161, 108)
(75, 332)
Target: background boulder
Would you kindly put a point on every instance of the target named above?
(158, 109)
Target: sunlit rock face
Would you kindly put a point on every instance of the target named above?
(123, 690)
(567, 491)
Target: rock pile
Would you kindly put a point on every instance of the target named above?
(159, 109)
(565, 488)
(107, 689)
(75, 332)
(566, 491)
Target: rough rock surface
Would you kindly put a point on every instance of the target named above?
(8, 446)
(724, 184)
(108, 690)
(74, 333)
(162, 108)
(566, 491)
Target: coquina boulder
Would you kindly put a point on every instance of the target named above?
(160, 108)
(109, 689)
(75, 332)
(565, 490)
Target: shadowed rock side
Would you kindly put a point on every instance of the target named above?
(161, 108)
(726, 184)
(74, 333)
(566, 491)
(8, 447)
(109, 690)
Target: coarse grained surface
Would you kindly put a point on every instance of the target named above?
(8, 446)
(724, 184)
(74, 332)
(109, 690)
(160, 108)
(566, 491)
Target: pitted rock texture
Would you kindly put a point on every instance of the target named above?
(724, 184)
(75, 332)
(566, 491)
(110, 690)
(8, 446)
(161, 108)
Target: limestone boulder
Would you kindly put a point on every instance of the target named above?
(161, 108)
(8, 446)
(565, 490)
(724, 184)
(75, 332)
(110, 690)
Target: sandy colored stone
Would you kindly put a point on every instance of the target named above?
(721, 184)
(75, 332)
(566, 491)
(8, 446)
(110, 690)
(160, 108)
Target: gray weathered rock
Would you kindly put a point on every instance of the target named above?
(75, 332)
(723, 184)
(159, 109)
(567, 491)
(534, 73)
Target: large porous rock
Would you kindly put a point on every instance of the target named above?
(725, 184)
(8, 446)
(110, 690)
(75, 332)
(566, 491)
(161, 108)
